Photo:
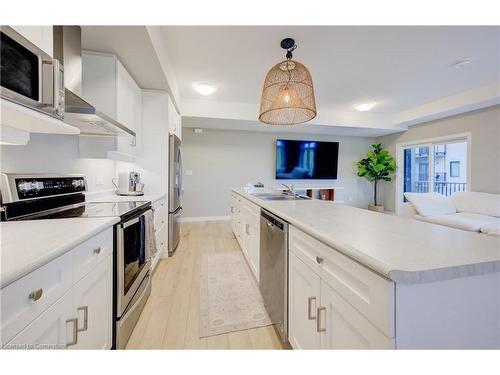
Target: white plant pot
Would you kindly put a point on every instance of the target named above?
(372, 207)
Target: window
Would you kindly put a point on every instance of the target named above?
(438, 165)
(454, 169)
(422, 171)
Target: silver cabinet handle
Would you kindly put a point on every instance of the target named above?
(75, 331)
(85, 310)
(97, 251)
(247, 229)
(319, 260)
(318, 321)
(36, 295)
(310, 309)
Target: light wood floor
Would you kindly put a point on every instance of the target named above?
(170, 319)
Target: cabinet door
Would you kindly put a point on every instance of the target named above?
(53, 329)
(128, 108)
(254, 242)
(343, 327)
(303, 300)
(93, 296)
(41, 36)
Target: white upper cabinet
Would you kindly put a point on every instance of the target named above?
(109, 87)
(128, 108)
(174, 120)
(41, 36)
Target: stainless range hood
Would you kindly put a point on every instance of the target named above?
(78, 112)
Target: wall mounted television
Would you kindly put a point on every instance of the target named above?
(306, 160)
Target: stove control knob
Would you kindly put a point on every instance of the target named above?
(24, 186)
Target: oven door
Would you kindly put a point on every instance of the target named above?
(132, 264)
(30, 77)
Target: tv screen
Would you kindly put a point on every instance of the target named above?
(306, 160)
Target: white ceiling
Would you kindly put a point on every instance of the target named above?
(399, 67)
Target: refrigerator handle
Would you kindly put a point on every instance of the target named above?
(181, 181)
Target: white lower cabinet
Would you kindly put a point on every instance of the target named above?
(93, 300)
(67, 303)
(304, 296)
(341, 326)
(245, 220)
(320, 318)
(53, 329)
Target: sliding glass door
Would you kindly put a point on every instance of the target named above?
(439, 167)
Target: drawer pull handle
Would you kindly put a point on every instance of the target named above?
(319, 260)
(36, 295)
(97, 251)
(75, 331)
(310, 309)
(318, 321)
(85, 310)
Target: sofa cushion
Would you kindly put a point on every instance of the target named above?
(461, 220)
(476, 202)
(492, 229)
(431, 204)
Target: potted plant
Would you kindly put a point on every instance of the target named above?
(378, 165)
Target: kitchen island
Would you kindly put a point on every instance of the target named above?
(381, 281)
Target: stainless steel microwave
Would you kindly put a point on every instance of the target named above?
(29, 76)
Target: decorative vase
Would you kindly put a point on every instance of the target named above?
(372, 207)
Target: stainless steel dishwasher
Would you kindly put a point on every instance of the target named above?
(273, 273)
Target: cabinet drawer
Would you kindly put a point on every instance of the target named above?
(372, 295)
(19, 309)
(252, 207)
(90, 253)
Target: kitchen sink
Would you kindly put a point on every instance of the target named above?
(278, 197)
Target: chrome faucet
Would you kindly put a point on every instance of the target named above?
(290, 189)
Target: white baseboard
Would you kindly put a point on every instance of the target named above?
(204, 218)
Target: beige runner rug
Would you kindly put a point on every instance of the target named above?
(229, 296)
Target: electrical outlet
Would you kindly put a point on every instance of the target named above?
(99, 179)
(189, 172)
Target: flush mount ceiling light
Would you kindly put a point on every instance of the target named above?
(365, 106)
(288, 94)
(204, 88)
(461, 63)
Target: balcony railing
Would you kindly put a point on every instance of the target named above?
(445, 188)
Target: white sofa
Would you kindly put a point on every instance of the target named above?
(471, 211)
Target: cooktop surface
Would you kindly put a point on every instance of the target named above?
(96, 209)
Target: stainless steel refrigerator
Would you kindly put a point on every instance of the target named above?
(174, 192)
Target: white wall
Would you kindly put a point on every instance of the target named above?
(223, 159)
(56, 154)
(484, 126)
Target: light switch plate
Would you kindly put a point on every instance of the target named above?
(189, 172)
(99, 179)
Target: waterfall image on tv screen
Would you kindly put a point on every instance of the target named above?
(304, 160)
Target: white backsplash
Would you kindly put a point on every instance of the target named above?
(57, 154)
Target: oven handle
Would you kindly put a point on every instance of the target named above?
(133, 221)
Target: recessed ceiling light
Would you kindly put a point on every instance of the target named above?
(461, 63)
(365, 106)
(204, 88)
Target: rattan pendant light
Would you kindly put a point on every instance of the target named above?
(288, 93)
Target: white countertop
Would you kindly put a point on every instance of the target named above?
(403, 250)
(29, 244)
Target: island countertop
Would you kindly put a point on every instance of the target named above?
(401, 249)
